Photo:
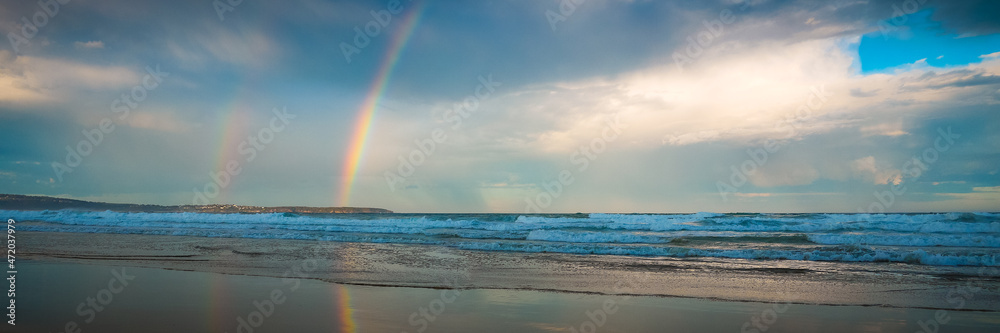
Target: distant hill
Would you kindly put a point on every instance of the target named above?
(30, 202)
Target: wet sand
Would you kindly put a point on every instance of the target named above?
(55, 294)
(141, 283)
(803, 282)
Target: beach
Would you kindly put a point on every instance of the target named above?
(158, 300)
(412, 166)
(198, 284)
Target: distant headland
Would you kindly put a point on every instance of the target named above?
(31, 202)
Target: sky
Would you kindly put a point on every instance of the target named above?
(506, 106)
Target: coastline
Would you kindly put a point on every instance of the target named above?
(33, 202)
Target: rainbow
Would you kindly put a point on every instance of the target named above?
(220, 309)
(344, 310)
(233, 130)
(366, 113)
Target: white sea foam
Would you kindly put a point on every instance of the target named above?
(916, 240)
(905, 256)
(592, 237)
(928, 239)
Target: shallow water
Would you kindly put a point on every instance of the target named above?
(157, 300)
(415, 265)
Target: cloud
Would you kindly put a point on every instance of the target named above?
(950, 182)
(866, 168)
(784, 173)
(741, 92)
(738, 92)
(251, 48)
(752, 195)
(158, 121)
(885, 129)
(96, 44)
(956, 79)
(995, 189)
(980, 199)
(29, 79)
(969, 17)
(991, 55)
(858, 92)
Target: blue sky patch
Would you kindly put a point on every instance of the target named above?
(919, 37)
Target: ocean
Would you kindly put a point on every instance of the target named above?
(946, 239)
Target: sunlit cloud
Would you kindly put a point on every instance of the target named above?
(94, 44)
(866, 168)
(26, 79)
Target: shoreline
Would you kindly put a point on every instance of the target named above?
(591, 293)
(169, 300)
(424, 266)
(579, 292)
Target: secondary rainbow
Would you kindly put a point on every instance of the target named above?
(233, 125)
(366, 113)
